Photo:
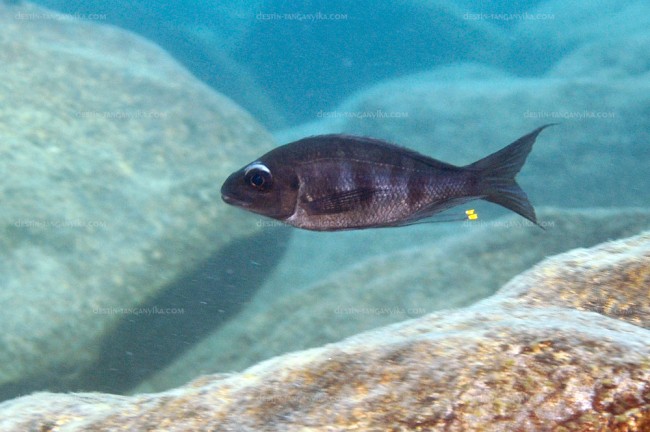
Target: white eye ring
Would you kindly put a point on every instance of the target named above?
(256, 165)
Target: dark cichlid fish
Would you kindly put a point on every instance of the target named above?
(342, 182)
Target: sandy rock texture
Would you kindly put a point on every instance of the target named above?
(563, 346)
(452, 272)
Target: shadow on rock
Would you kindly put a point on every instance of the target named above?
(153, 334)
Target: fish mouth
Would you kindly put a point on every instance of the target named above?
(229, 199)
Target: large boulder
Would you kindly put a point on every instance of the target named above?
(204, 38)
(553, 29)
(439, 273)
(599, 94)
(564, 346)
(112, 157)
(595, 156)
(285, 61)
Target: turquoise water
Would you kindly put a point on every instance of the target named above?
(287, 61)
(454, 81)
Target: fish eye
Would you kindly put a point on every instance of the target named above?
(258, 176)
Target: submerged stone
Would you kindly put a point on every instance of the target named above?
(438, 273)
(538, 355)
(111, 159)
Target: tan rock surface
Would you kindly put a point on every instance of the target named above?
(446, 273)
(514, 361)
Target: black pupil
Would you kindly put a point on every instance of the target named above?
(257, 179)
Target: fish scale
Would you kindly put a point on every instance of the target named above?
(341, 182)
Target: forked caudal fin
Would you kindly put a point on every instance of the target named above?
(497, 175)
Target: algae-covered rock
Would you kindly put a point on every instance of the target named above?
(587, 281)
(621, 58)
(515, 361)
(556, 30)
(112, 156)
(595, 156)
(452, 272)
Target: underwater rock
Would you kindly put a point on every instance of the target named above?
(620, 58)
(438, 273)
(112, 156)
(340, 46)
(251, 50)
(595, 156)
(551, 29)
(203, 38)
(541, 354)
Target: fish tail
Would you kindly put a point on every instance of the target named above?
(497, 175)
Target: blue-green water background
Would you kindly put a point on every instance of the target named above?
(285, 62)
